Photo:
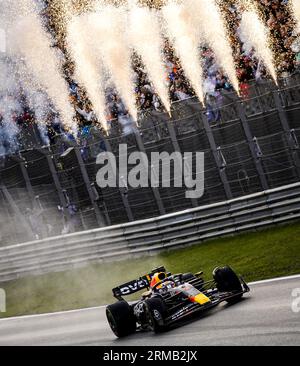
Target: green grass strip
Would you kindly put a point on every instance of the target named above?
(256, 255)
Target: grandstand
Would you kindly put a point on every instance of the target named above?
(252, 146)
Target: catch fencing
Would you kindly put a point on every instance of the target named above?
(150, 236)
(251, 145)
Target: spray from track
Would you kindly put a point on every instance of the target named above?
(29, 43)
(185, 38)
(254, 34)
(145, 36)
(87, 65)
(108, 26)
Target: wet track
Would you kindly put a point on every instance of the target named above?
(264, 317)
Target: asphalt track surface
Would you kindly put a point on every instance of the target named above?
(263, 317)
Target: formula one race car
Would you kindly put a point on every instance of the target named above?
(170, 299)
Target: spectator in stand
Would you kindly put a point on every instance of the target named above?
(284, 40)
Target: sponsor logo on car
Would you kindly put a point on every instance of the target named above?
(181, 312)
(133, 287)
(139, 309)
(157, 314)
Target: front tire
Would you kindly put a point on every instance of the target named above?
(156, 313)
(227, 281)
(121, 319)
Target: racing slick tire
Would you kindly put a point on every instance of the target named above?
(227, 281)
(156, 312)
(121, 319)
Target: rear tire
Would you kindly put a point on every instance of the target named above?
(121, 319)
(227, 281)
(156, 313)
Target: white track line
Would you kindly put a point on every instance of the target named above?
(103, 306)
(53, 314)
(275, 280)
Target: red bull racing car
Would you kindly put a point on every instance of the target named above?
(171, 298)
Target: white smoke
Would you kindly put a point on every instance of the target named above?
(185, 37)
(40, 104)
(30, 45)
(108, 26)
(145, 36)
(2, 41)
(295, 5)
(10, 108)
(9, 130)
(255, 35)
(209, 21)
(88, 71)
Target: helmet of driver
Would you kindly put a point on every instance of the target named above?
(157, 278)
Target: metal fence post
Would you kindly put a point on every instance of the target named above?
(86, 179)
(27, 179)
(286, 128)
(57, 184)
(122, 190)
(155, 190)
(250, 139)
(176, 147)
(214, 149)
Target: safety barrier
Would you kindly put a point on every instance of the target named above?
(150, 236)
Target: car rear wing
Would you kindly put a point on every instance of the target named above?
(134, 286)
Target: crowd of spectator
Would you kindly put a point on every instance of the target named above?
(276, 14)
